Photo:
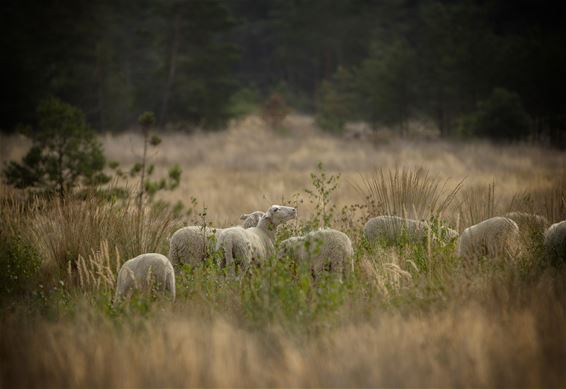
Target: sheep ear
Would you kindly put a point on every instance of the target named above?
(244, 216)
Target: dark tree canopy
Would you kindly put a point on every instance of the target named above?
(196, 61)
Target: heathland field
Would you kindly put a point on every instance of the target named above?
(411, 314)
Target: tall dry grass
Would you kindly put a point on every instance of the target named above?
(502, 342)
(410, 315)
(414, 194)
(66, 233)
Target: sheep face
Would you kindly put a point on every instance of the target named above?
(280, 214)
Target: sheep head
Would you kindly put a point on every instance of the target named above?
(251, 219)
(279, 214)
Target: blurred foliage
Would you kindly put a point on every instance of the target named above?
(244, 102)
(275, 110)
(337, 102)
(202, 62)
(500, 117)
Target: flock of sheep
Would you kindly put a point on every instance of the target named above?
(326, 249)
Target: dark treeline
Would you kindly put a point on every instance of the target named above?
(488, 67)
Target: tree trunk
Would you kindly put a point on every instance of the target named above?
(172, 70)
(142, 190)
(100, 76)
(60, 178)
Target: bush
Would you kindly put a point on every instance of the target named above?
(20, 265)
(500, 117)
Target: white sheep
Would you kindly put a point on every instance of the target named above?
(144, 273)
(253, 245)
(495, 237)
(251, 219)
(321, 249)
(531, 226)
(555, 242)
(192, 244)
(395, 229)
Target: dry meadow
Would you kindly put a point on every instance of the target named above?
(407, 317)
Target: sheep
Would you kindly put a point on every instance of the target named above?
(192, 244)
(251, 219)
(555, 243)
(531, 226)
(494, 237)
(144, 272)
(321, 249)
(253, 245)
(394, 229)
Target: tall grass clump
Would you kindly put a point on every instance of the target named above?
(97, 272)
(61, 232)
(414, 194)
(554, 200)
(478, 203)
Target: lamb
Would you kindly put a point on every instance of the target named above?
(253, 245)
(555, 243)
(321, 249)
(393, 229)
(144, 272)
(495, 237)
(192, 244)
(530, 226)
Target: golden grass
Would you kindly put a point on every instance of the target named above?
(412, 317)
(498, 343)
(249, 167)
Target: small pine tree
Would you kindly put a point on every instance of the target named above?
(65, 152)
(147, 186)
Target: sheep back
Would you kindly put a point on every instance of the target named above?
(244, 246)
(321, 249)
(394, 229)
(145, 272)
(555, 243)
(495, 237)
(192, 244)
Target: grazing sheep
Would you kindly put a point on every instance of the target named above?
(394, 229)
(253, 245)
(192, 244)
(144, 272)
(555, 243)
(494, 237)
(321, 249)
(530, 226)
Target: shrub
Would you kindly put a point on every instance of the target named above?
(20, 265)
